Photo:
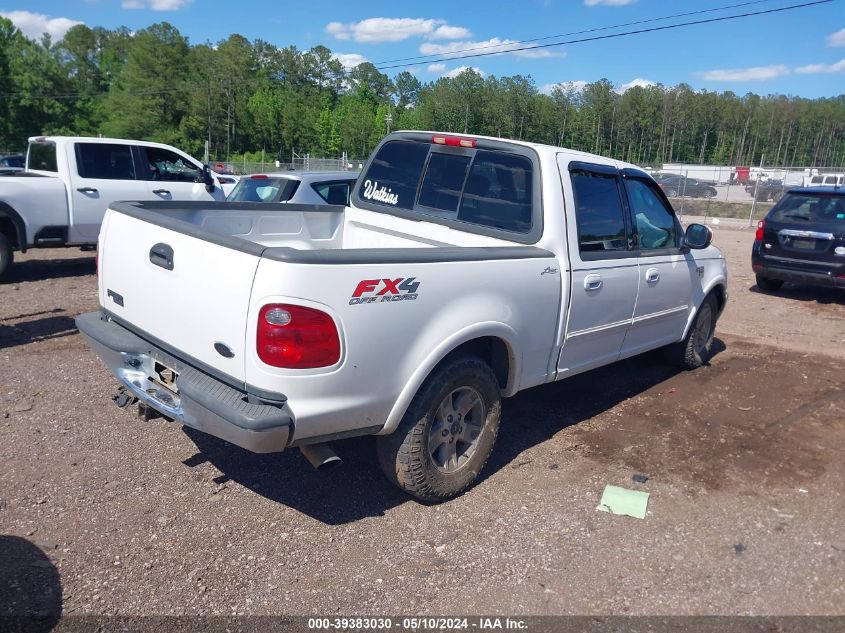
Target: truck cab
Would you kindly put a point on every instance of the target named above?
(68, 183)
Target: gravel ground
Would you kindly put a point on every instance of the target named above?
(103, 513)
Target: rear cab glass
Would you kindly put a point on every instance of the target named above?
(486, 187)
(41, 156)
(263, 189)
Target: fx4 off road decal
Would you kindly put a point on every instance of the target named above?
(381, 290)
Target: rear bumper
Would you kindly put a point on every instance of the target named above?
(798, 271)
(200, 401)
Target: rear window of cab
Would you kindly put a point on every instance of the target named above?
(488, 188)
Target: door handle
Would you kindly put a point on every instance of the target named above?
(163, 192)
(86, 190)
(592, 282)
(652, 275)
(162, 255)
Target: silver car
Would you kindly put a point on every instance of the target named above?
(302, 187)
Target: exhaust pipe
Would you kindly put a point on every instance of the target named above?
(320, 456)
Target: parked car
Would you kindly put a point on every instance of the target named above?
(465, 269)
(61, 197)
(297, 187)
(766, 190)
(11, 164)
(802, 240)
(826, 180)
(680, 186)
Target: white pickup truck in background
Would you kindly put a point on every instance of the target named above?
(466, 269)
(69, 182)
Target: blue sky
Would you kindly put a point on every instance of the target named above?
(800, 52)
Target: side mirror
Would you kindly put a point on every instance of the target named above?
(697, 236)
(207, 178)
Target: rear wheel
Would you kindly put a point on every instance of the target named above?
(447, 434)
(6, 255)
(671, 193)
(764, 283)
(695, 350)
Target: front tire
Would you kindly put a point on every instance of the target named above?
(7, 255)
(769, 285)
(696, 349)
(447, 433)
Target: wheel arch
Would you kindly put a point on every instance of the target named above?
(13, 227)
(719, 290)
(495, 343)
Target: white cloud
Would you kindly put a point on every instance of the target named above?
(446, 32)
(812, 69)
(567, 86)
(373, 30)
(34, 25)
(639, 82)
(156, 5)
(436, 68)
(757, 73)
(836, 39)
(493, 45)
(349, 60)
(610, 3)
(457, 71)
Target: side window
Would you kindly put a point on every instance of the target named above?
(42, 156)
(394, 174)
(443, 181)
(168, 166)
(333, 192)
(598, 212)
(498, 192)
(106, 161)
(655, 223)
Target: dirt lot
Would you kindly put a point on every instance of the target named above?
(102, 513)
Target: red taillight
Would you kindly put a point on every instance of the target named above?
(761, 226)
(296, 337)
(453, 141)
(258, 177)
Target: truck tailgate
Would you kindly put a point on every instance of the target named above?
(188, 293)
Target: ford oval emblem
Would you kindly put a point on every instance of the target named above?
(224, 350)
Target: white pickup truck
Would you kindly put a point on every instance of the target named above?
(465, 269)
(69, 182)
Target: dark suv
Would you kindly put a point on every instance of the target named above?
(802, 240)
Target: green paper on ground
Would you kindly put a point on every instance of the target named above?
(631, 503)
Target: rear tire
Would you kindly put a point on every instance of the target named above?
(447, 433)
(7, 255)
(671, 193)
(696, 349)
(769, 285)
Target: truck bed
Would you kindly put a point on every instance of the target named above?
(268, 228)
(191, 278)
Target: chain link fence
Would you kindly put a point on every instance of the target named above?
(736, 192)
(303, 162)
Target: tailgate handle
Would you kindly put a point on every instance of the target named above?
(162, 255)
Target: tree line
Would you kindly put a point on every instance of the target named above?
(242, 96)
